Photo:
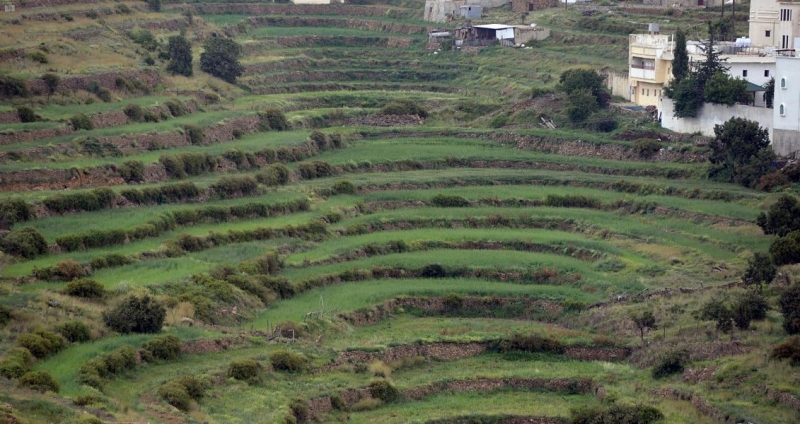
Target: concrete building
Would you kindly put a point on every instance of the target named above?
(520, 6)
(449, 10)
(649, 66)
(774, 24)
(471, 11)
(786, 107)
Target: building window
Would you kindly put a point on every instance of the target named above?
(783, 83)
(648, 92)
(643, 92)
(766, 72)
(786, 15)
(744, 73)
(782, 109)
(785, 42)
(767, 33)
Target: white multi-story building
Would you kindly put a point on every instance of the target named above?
(775, 24)
(786, 106)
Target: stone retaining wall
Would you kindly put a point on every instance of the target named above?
(150, 77)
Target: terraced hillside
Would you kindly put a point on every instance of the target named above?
(362, 229)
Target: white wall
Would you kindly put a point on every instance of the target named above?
(710, 115)
(787, 125)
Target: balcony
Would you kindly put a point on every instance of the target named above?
(642, 71)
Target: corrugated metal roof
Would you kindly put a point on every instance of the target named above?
(492, 26)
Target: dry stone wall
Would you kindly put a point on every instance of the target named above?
(149, 77)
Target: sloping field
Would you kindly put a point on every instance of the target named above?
(320, 256)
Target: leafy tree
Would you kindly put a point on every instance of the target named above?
(782, 218)
(723, 89)
(180, 56)
(688, 94)
(51, 81)
(581, 104)
(786, 249)
(583, 79)
(643, 320)
(789, 303)
(680, 63)
(769, 94)
(672, 363)
(26, 242)
(740, 150)
(716, 310)
(221, 59)
(760, 269)
(136, 315)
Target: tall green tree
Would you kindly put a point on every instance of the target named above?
(574, 80)
(221, 58)
(740, 152)
(180, 56)
(680, 61)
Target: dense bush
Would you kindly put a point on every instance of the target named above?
(5, 315)
(91, 200)
(165, 347)
(81, 122)
(100, 368)
(433, 271)
(616, 414)
(176, 107)
(273, 119)
(344, 187)
(786, 249)
(75, 331)
(26, 114)
(383, 390)
(14, 210)
(26, 242)
(760, 269)
(39, 380)
(229, 187)
(789, 303)
(276, 174)
(176, 395)
(195, 134)
(245, 370)
(646, 148)
(41, 343)
(136, 315)
(529, 343)
(68, 270)
(132, 171)
(171, 193)
(39, 57)
(789, 349)
(284, 360)
(91, 239)
(12, 87)
(85, 288)
(404, 107)
(672, 363)
(315, 169)
(586, 81)
(134, 112)
(299, 408)
(449, 201)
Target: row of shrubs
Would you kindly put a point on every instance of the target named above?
(136, 113)
(170, 220)
(106, 367)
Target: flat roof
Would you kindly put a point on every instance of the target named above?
(492, 26)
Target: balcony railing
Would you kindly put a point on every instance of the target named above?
(650, 66)
(649, 74)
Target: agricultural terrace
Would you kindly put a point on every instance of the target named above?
(360, 227)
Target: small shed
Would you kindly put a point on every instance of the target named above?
(438, 36)
(471, 11)
(494, 31)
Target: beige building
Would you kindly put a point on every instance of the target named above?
(650, 66)
(774, 24)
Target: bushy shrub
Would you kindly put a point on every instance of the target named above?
(404, 107)
(195, 134)
(646, 148)
(134, 112)
(195, 387)
(165, 347)
(132, 171)
(344, 187)
(672, 363)
(245, 370)
(284, 360)
(5, 314)
(100, 368)
(39, 380)
(789, 303)
(91, 200)
(86, 288)
(383, 390)
(229, 187)
(12, 368)
(68, 270)
(12, 87)
(176, 395)
(789, 349)
(136, 315)
(786, 250)
(449, 201)
(26, 114)
(41, 343)
(26, 242)
(530, 343)
(273, 119)
(299, 408)
(176, 107)
(319, 139)
(616, 414)
(275, 175)
(14, 210)
(81, 122)
(75, 331)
